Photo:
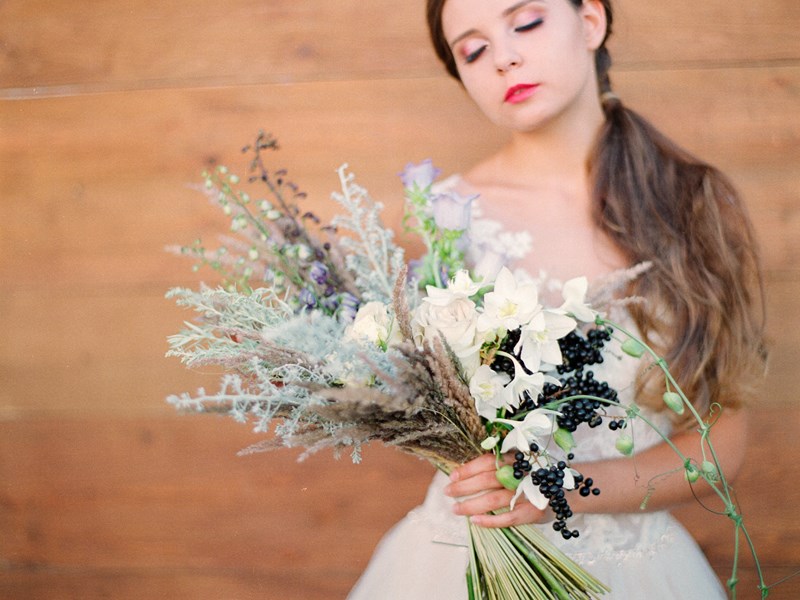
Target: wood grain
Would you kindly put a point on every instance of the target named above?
(109, 111)
(62, 47)
(168, 498)
(167, 501)
(74, 166)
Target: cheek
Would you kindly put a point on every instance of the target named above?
(478, 88)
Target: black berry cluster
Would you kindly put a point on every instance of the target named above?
(502, 364)
(579, 352)
(577, 379)
(551, 485)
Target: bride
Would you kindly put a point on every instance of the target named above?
(598, 189)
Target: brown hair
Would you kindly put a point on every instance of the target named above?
(662, 205)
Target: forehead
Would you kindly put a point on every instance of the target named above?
(458, 15)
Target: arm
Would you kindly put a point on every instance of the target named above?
(623, 481)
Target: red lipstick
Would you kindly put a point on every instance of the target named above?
(518, 93)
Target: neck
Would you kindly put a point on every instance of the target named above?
(556, 154)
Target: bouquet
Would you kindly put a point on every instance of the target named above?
(328, 337)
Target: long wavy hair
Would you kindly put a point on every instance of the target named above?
(660, 204)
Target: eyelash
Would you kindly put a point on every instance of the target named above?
(521, 29)
(532, 25)
(472, 57)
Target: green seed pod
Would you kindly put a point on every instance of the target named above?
(564, 439)
(633, 347)
(674, 402)
(709, 470)
(505, 475)
(624, 444)
(692, 473)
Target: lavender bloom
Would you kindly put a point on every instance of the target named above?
(452, 211)
(318, 273)
(419, 176)
(307, 298)
(331, 303)
(416, 269)
(348, 306)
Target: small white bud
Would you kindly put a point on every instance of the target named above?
(490, 442)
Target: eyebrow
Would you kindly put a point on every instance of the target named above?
(505, 13)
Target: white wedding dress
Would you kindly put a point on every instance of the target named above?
(646, 555)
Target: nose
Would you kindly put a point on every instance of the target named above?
(506, 58)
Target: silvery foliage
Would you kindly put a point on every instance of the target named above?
(285, 360)
(370, 254)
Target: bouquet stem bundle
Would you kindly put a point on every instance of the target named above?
(519, 563)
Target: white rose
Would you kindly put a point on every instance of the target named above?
(456, 321)
(459, 286)
(374, 324)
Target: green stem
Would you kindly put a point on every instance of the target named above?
(555, 585)
(705, 429)
(554, 405)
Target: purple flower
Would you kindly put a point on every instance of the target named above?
(307, 298)
(318, 273)
(330, 303)
(348, 306)
(416, 268)
(452, 211)
(420, 176)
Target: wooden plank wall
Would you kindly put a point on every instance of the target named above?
(108, 112)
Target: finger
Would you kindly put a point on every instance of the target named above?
(524, 512)
(480, 482)
(490, 501)
(485, 462)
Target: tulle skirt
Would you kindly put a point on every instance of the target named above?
(642, 556)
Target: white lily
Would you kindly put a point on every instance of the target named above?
(528, 488)
(531, 492)
(536, 424)
(574, 293)
(538, 340)
(510, 304)
(532, 383)
(490, 392)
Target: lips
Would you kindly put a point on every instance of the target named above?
(518, 93)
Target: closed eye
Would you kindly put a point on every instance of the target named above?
(473, 56)
(527, 27)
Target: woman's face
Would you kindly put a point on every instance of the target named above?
(525, 63)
